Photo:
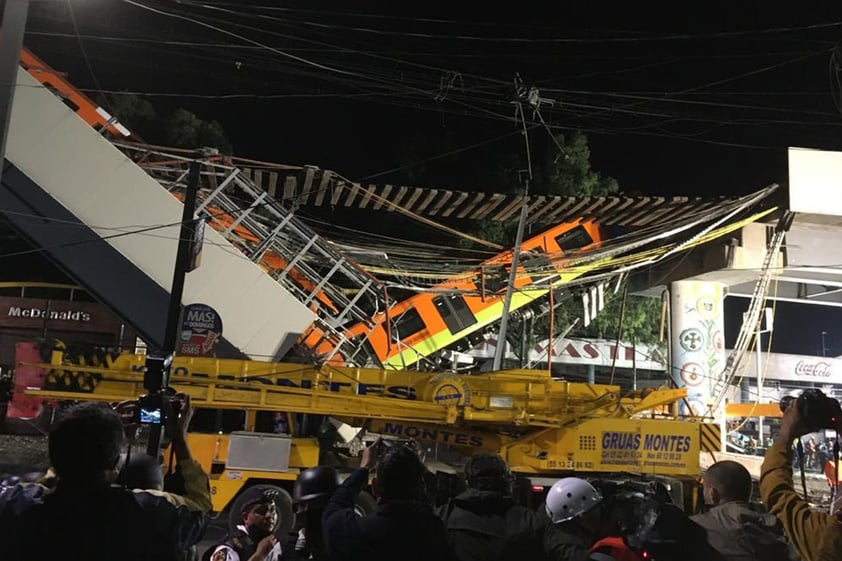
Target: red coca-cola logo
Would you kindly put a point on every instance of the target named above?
(813, 369)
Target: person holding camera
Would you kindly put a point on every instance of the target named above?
(85, 516)
(403, 526)
(484, 522)
(816, 535)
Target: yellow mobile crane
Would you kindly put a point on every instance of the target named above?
(543, 427)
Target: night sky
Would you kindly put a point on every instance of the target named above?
(685, 101)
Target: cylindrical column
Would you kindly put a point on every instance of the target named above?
(698, 341)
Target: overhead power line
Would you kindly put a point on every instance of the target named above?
(538, 39)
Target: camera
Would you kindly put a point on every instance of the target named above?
(817, 411)
(150, 408)
(651, 525)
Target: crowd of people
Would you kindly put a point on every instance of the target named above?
(91, 506)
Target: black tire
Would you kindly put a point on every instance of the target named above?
(283, 502)
(364, 503)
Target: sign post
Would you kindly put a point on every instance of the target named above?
(158, 367)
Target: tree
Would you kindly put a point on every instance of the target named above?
(185, 130)
(641, 319)
(180, 129)
(567, 171)
(136, 113)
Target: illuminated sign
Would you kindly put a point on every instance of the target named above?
(35, 313)
(62, 315)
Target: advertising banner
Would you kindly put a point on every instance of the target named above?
(201, 330)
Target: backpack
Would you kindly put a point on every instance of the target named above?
(767, 545)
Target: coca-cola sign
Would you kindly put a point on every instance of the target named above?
(813, 369)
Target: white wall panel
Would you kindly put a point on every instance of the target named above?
(110, 194)
(815, 181)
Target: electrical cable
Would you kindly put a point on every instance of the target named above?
(439, 156)
(82, 45)
(537, 39)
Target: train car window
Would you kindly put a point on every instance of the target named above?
(454, 311)
(574, 239)
(67, 101)
(408, 324)
(539, 267)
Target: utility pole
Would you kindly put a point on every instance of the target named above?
(157, 375)
(759, 374)
(11, 42)
(510, 288)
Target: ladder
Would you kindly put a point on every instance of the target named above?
(753, 316)
(338, 290)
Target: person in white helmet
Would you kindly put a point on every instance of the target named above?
(573, 507)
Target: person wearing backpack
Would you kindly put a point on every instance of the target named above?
(736, 529)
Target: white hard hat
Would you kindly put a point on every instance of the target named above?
(570, 497)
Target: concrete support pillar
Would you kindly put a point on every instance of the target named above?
(698, 341)
(591, 374)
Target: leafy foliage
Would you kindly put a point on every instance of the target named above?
(568, 173)
(186, 130)
(641, 319)
(179, 129)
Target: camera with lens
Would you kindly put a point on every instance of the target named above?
(817, 410)
(388, 443)
(651, 525)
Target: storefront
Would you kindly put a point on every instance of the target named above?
(82, 323)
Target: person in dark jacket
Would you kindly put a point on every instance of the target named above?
(142, 472)
(402, 526)
(310, 494)
(574, 509)
(484, 523)
(734, 528)
(86, 517)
